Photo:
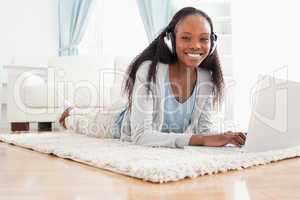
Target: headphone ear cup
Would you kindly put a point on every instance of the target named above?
(169, 41)
(214, 40)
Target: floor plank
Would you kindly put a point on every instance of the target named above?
(25, 174)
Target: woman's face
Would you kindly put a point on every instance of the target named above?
(192, 40)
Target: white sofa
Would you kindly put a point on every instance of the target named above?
(36, 94)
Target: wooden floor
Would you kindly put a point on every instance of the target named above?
(25, 174)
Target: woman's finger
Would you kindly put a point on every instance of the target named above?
(239, 139)
(242, 135)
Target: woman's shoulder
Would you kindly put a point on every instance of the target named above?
(144, 68)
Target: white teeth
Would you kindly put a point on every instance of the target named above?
(194, 55)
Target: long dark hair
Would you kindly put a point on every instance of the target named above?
(157, 51)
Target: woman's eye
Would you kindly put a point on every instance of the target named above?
(185, 38)
(204, 39)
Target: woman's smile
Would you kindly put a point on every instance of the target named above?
(195, 56)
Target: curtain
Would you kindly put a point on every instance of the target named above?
(73, 18)
(155, 14)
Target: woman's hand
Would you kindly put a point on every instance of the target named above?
(236, 138)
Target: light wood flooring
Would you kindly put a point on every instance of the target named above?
(25, 174)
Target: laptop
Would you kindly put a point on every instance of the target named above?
(274, 122)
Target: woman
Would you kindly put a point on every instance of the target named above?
(172, 86)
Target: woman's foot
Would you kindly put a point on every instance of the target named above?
(64, 115)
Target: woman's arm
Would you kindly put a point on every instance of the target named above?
(205, 125)
(238, 139)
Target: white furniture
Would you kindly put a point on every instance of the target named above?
(37, 94)
(19, 109)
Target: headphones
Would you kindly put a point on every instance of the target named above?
(169, 40)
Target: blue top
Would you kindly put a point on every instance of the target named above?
(177, 116)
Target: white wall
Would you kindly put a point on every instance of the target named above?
(266, 40)
(28, 29)
(28, 33)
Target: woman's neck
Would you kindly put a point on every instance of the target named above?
(183, 80)
(178, 70)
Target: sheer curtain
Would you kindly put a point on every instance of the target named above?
(115, 29)
(265, 42)
(156, 14)
(73, 18)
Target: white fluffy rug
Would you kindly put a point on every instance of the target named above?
(150, 164)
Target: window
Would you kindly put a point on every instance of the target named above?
(115, 28)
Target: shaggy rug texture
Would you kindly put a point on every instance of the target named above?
(156, 165)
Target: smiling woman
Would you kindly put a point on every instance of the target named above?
(172, 87)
